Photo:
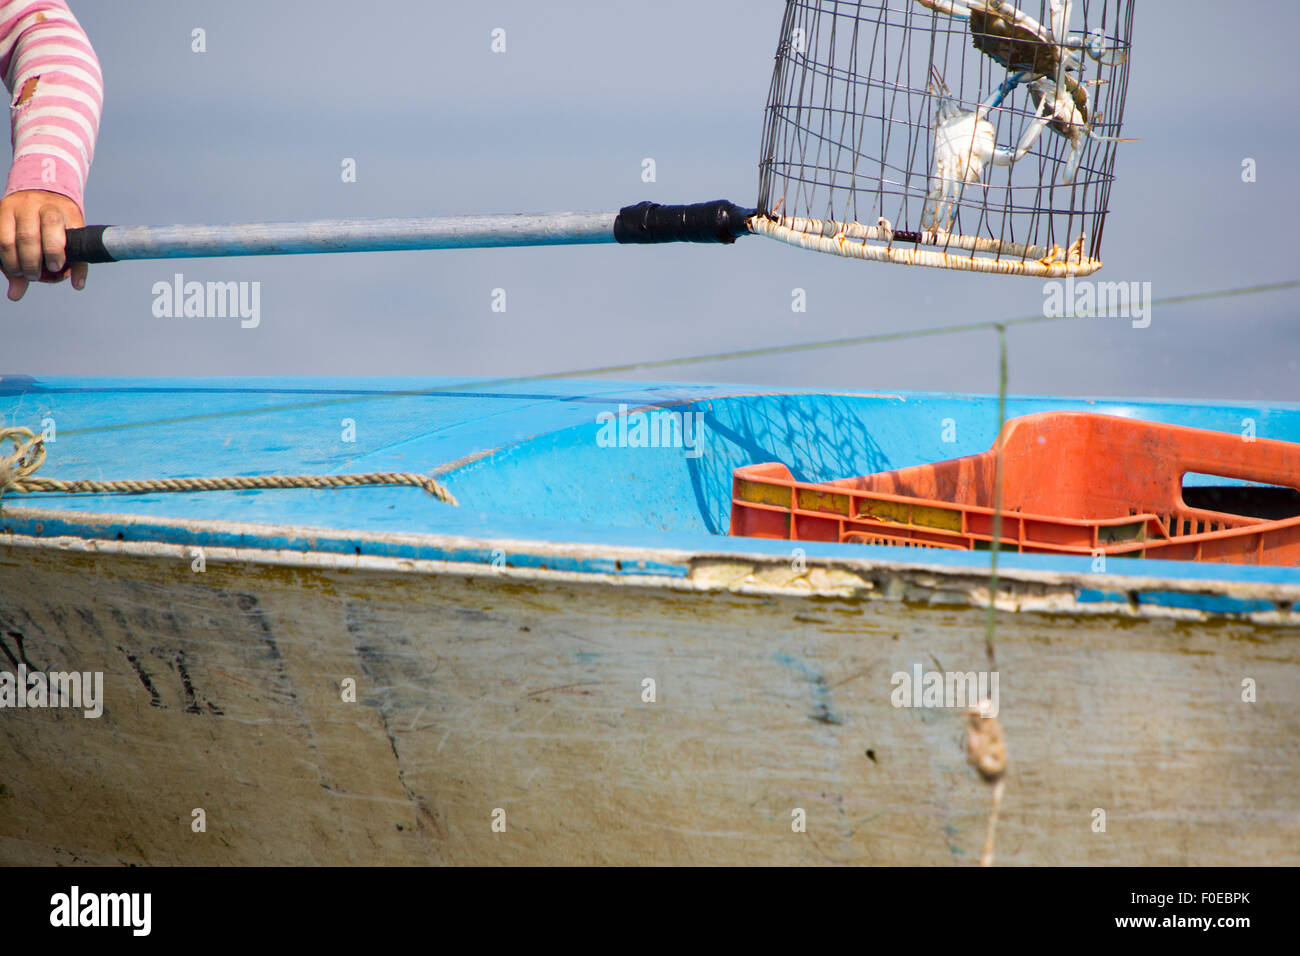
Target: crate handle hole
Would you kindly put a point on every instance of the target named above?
(1245, 499)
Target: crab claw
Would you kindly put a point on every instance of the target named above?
(937, 85)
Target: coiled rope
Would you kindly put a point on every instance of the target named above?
(17, 475)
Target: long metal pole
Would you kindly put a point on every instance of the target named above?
(344, 235)
(647, 222)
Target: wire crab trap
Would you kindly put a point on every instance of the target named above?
(976, 135)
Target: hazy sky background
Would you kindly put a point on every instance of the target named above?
(256, 129)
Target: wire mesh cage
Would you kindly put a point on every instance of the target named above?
(963, 134)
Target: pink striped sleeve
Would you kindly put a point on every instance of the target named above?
(52, 72)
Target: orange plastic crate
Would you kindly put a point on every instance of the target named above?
(1073, 483)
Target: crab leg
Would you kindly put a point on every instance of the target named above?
(948, 7)
(1069, 121)
(1061, 10)
(1009, 157)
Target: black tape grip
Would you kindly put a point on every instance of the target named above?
(717, 221)
(87, 245)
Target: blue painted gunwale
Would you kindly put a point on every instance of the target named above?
(525, 462)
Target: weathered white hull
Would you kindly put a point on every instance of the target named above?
(482, 690)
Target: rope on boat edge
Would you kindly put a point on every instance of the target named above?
(17, 474)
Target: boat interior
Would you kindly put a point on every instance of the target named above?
(600, 462)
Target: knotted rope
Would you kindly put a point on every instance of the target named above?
(986, 751)
(17, 474)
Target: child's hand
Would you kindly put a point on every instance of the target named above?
(32, 224)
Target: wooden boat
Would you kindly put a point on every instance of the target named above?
(577, 665)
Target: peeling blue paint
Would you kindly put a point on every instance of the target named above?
(1210, 603)
(1204, 602)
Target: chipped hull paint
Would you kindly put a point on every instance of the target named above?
(521, 690)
